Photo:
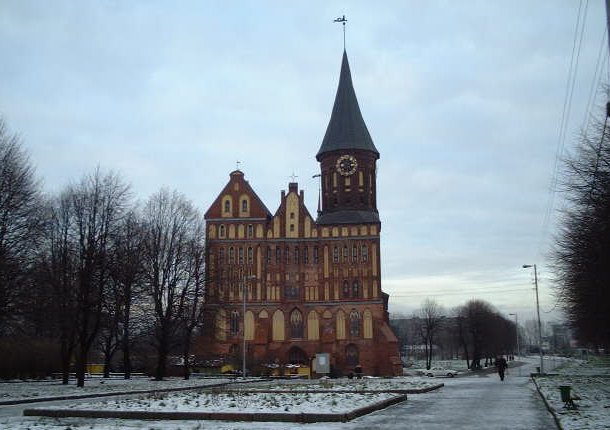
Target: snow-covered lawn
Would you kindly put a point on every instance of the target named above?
(365, 384)
(53, 387)
(242, 402)
(591, 382)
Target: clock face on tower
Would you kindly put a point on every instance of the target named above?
(346, 165)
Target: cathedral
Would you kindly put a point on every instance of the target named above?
(312, 285)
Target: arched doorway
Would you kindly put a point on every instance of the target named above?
(297, 356)
(352, 356)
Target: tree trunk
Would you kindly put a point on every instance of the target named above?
(81, 365)
(162, 358)
(185, 357)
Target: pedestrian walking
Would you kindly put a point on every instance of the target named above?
(501, 365)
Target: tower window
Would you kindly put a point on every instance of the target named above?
(241, 255)
(250, 230)
(244, 205)
(250, 255)
(268, 255)
(227, 206)
(291, 215)
(221, 231)
(345, 289)
(356, 289)
(296, 255)
(365, 253)
(306, 255)
(316, 255)
(345, 254)
(287, 255)
(231, 255)
(335, 255)
(291, 227)
(278, 255)
(221, 255)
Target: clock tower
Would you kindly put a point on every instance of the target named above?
(347, 160)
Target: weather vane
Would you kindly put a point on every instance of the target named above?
(342, 20)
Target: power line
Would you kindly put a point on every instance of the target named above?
(563, 124)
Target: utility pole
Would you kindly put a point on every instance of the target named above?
(525, 266)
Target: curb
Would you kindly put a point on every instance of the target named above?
(548, 405)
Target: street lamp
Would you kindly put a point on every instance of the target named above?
(527, 266)
(517, 331)
(244, 293)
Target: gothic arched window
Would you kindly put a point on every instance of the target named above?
(354, 323)
(356, 289)
(234, 323)
(296, 324)
(345, 289)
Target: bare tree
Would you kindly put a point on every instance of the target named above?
(58, 274)
(19, 225)
(429, 319)
(582, 247)
(98, 202)
(192, 297)
(126, 273)
(170, 225)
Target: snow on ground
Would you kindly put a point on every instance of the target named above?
(241, 401)
(242, 398)
(20, 390)
(590, 381)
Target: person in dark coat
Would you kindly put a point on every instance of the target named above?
(501, 365)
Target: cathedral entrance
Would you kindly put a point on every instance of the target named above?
(297, 356)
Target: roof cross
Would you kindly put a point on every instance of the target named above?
(293, 177)
(237, 163)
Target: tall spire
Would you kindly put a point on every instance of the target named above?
(346, 128)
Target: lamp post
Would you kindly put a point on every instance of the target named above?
(526, 266)
(517, 332)
(244, 293)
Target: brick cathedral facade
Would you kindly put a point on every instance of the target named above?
(312, 285)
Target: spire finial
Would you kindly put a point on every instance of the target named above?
(342, 20)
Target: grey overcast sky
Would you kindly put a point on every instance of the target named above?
(464, 101)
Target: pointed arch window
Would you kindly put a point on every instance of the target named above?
(296, 255)
(287, 255)
(250, 255)
(365, 253)
(354, 254)
(306, 255)
(240, 252)
(354, 323)
(345, 254)
(356, 289)
(296, 324)
(234, 325)
(221, 255)
(231, 255)
(278, 255)
(268, 255)
(221, 231)
(336, 255)
(316, 255)
(250, 230)
(244, 205)
(227, 206)
(345, 289)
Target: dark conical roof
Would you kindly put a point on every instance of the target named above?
(346, 128)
